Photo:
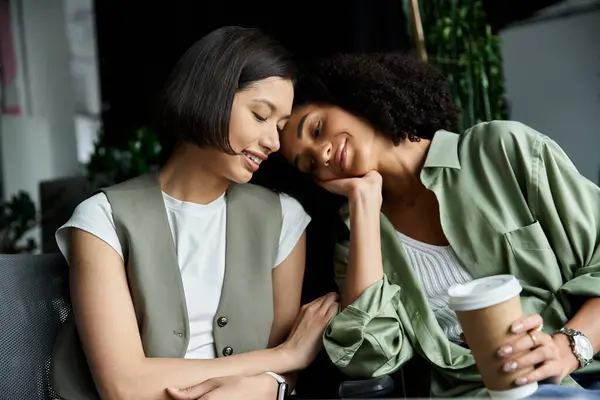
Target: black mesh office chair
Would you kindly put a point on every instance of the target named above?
(34, 302)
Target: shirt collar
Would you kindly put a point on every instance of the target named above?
(443, 151)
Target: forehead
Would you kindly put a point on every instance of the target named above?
(279, 91)
(290, 143)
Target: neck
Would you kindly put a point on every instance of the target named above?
(400, 169)
(187, 176)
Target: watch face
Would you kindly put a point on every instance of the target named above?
(584, 347)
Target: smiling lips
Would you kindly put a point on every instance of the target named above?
(341, 155)
(253, 159)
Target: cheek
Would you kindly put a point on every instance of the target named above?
(363, 160)
(242, 132)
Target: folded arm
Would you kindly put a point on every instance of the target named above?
(107, 326)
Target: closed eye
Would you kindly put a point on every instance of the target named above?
(259, 117)
(317, 130)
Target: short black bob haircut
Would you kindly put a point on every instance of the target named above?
(195, 104)
(402, 97)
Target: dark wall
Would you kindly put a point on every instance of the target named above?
(140, 40)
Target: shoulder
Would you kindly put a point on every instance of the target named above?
(501, 143)
(93, 215)
(493, 136)
(96, 206)
(294, 223)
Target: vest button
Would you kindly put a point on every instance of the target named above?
(222, 321)
(227, 351)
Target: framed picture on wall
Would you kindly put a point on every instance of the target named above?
(12, 91)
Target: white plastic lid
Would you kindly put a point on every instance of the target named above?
(520, 392)
(483, 292)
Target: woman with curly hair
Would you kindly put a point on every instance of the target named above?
(429, 208)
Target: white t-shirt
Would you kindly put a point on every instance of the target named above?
(199, 235)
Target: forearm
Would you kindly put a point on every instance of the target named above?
(149, 378)
(365, 266)
(587, 321)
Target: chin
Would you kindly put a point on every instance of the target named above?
(241, 177)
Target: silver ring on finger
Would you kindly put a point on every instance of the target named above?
(533, 338)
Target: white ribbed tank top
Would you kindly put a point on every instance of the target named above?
(437, 269)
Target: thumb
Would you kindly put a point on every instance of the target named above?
(180, 394)
(194, 392)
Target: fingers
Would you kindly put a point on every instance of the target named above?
(527, 324)
(181, 394)
(543, 354)
(550, 370)
(331, 311)
(526, 342)
(319, 302)
(328, 301)
(537, 356)
(323, 308)
(196, 391)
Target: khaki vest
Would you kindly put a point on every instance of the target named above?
(245, 313)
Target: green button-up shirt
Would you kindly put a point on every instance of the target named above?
(511, 202)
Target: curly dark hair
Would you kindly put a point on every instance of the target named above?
(399, 95)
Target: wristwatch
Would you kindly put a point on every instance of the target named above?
(283, 386)
(581, 346)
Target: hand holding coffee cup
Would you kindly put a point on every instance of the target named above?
(543, 354)
(487, 310)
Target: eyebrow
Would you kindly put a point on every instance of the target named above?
(301, 126)
(300, 131)
(272, 106)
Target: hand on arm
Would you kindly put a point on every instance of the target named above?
(304, 343)
(303, 329)
(109, 334)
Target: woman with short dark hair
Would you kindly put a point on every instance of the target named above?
(171, 270)
(429, 208)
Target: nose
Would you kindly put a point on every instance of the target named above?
(270, 141)
(324, 154)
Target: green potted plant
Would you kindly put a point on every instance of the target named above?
(17, 217)
(113, 164)
(460, 42)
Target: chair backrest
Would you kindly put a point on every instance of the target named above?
(34, 302)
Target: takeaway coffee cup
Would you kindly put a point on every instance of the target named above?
(486, 308)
